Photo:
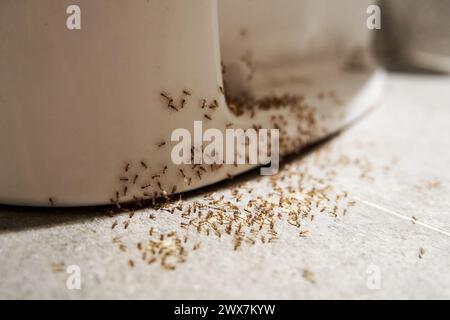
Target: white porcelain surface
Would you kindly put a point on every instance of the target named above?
(77, 106)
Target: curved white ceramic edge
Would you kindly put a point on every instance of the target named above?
(74, 114)
(364, 95)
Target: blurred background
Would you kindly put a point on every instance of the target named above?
(415, 35)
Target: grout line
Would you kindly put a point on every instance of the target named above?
(391, 212)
